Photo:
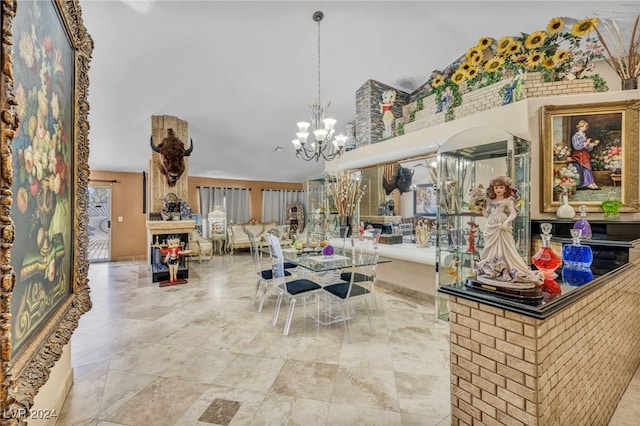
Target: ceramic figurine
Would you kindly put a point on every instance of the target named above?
(173, 252)
(500, 263)
(386, 107)
(471, 238)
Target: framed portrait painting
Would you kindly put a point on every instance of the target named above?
(424, 200)
(43, 200)
(590, 152)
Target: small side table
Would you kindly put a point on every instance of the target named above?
(219, 244)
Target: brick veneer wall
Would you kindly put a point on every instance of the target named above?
(488, 98)
(569, 369)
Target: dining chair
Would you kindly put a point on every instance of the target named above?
(265, 275)
(369, 243)
(359, 285)
(293, 290)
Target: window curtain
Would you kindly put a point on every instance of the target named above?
(233, 201)
(237, 205)
(275, 202)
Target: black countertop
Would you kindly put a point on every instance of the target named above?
(542, 310)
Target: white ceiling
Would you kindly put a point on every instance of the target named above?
(242, 73)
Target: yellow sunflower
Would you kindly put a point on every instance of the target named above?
(555, 25)
(472, 72)
(458, 77)
(476, 60)
(549, 63)
(494, 64)
(561, 56)
(438, 81)
(534, 59)
(584, 27)
(514, 48)
(485, 42)
(504, 43)
(535, 40)
(465, 66)
(473, 52)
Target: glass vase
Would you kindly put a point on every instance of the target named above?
(565, 211)
(547, 261)
(577, 261)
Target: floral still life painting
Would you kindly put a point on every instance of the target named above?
(43, 154)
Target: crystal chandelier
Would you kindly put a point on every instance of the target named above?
(319, 145)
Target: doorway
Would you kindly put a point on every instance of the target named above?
(99, 228)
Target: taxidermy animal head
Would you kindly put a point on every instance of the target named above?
(172, 153)
(401, 180)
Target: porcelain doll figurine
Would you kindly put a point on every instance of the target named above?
(173, 252)
(386, 107)
(500, 263)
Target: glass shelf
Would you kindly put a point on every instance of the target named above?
(460, 170)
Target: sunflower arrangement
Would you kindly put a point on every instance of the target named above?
(560, 51)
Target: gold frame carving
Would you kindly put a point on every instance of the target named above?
(22, 375)
(627, 115)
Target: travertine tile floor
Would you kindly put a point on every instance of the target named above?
(198, 354)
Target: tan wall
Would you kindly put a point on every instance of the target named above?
(129, 237)
(569, 369)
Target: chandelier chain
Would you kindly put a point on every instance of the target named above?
(319, 100)
(317, 142)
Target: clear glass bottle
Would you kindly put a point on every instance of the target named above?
(583, 224)
(577, 261)
(547, 261)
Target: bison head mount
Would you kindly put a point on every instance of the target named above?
(400, 180)
(172, 153)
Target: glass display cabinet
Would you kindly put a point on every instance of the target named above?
(459, 222)
(321, 220)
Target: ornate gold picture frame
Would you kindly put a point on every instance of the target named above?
(591, 152)
(44, 175)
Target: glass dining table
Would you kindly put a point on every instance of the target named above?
(324, 269)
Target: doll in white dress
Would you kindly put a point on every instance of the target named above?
(500, 263)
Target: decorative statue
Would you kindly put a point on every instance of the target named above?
(386, 106)
(173, 252)
(171, 202)
(500, 263)
(172, 153)
(418, 232)
(473, 228)
(514, 91)
(445, 102)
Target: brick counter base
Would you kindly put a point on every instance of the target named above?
(569, 369)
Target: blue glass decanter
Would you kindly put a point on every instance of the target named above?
(577, 261)
(583, 224)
